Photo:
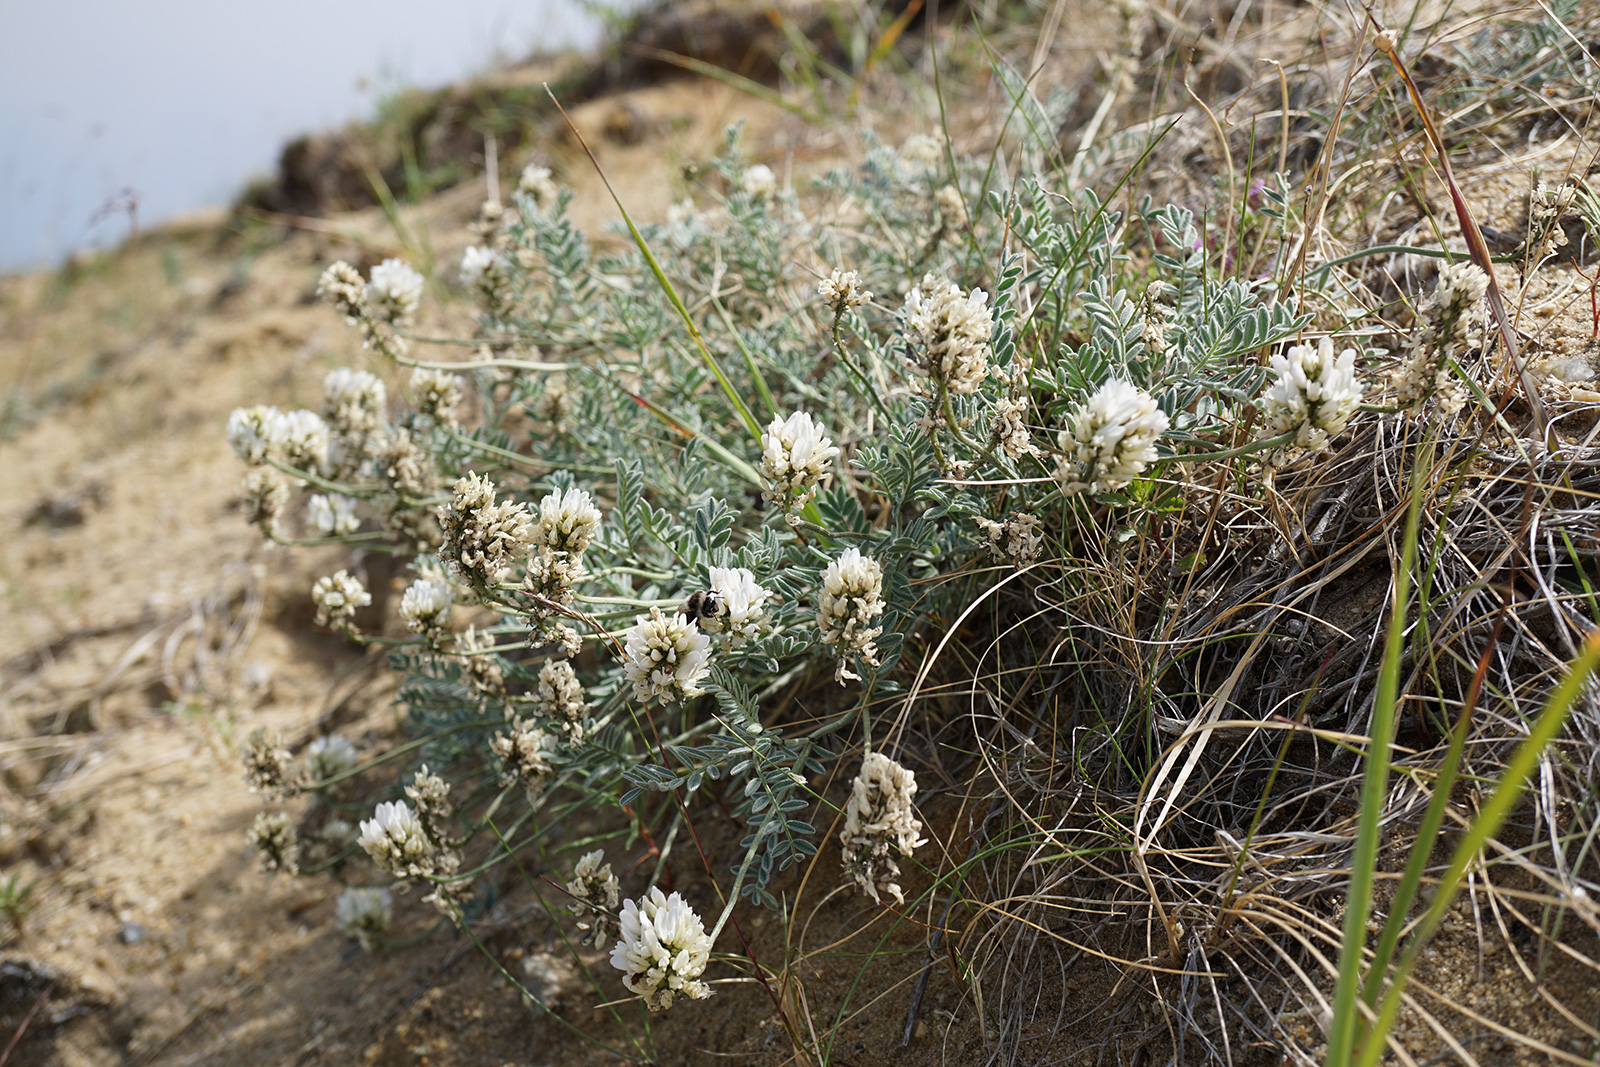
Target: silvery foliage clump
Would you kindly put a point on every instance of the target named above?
(580, 378)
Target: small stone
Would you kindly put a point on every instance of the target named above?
(132, 933)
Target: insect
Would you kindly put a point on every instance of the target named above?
(705, 607)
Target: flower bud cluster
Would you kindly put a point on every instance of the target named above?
(1449, 323)
(663, 950)
(666, 657)
(842, 290)
(484, 271)
(852, 597)
(535, 182)
(337, 597)
(595, 892)
(1018, 540)
(795, 455)
(948, 331)
(1008, 429)
(1111, 439)
(276, 843)
(558, 695)
(482, 539)
(264, 495)
(391, 298)
(523, 755)
(267, 766)
(437, 394)
(878, 822)
(364, 914)
(1315, 394)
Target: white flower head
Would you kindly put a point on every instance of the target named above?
(341, 286)
(878, 822)
(949, 333)
(559, 694)
(482, 269)
(438, 394)
(332, 514)
(482, 539)
(842, 290)
(1315, 393)
(595, 892)
(353, 401)
(305, 440)
(666, 657)
(567, 521)
(758, 181)
(256, 433)
(330, 756)
(395, 292)
(426, 607)
(663, 950)
(1111, 440)
(922, 149)
(852, 597)
(337, 597)
(795, 455)
(536, 182)
(396, 841)
(743, 604)
(364, 914)
(523, 755)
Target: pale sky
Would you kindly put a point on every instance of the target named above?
(185, 100)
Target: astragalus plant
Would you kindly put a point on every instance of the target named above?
(776, 443)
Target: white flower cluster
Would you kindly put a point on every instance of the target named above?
(264, 495)
(949, 331)
(666, 657)
(852, 596)
(558, 694)
(758, 181)
(1008, 430)
(431, 795)
(922, 150)
(276, 843)
(594, 891)
(663, 950)
(267, 768)
(262, 433)
(333, 515)
(536, 182)
(426, 608)
(394, 292)
(1112, 439)
(364, 914)
(878, 822)
(341, 286)
(1315, 393)
(337, 597)
(396, 841)
(353, 403)
(438, 394)
(795, 455)
(1018, 540)
(483, 270)
(523, 755)
(566, 523)
(330, 756)
(842, 290)
(256, 433)
(742, 605)
(482, 539)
